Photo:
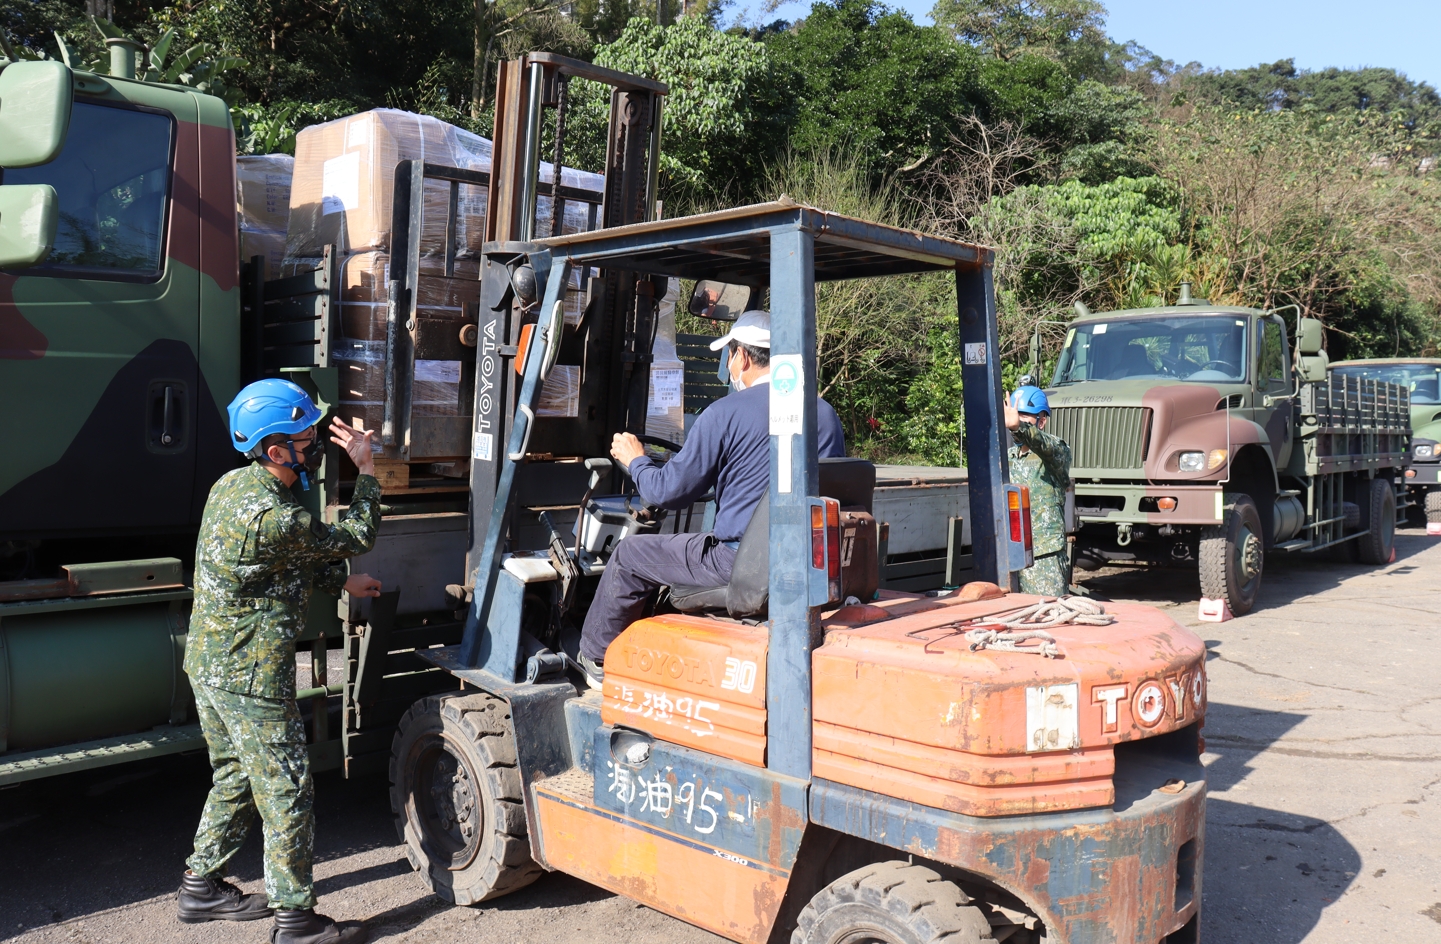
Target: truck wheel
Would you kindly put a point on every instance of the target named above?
(456, 795)
(1233, 554)
(891, 903)
(1379, 516)
(1433, 505)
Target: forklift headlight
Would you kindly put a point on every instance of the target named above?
(1192, 461)
(523, 281)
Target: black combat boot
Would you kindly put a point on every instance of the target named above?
(214, 899)
(307, 927)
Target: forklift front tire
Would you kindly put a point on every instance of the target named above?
(456, 795)
(891, 903)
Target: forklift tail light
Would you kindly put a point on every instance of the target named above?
(818, 537)
(833, 538)
(1026, 515)
(1019, 547)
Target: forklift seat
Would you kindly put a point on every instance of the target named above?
(746, 595)
(852, 482)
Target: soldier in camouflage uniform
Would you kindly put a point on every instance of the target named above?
(1042, 463)
(258, 557)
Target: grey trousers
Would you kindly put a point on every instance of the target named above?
(641, 565)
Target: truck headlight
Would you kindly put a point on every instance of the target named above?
(1192, 461)
(1426, 451)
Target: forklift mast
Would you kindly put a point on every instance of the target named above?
(611, 344)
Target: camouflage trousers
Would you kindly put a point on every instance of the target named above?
(261, 764)
(1047, 576)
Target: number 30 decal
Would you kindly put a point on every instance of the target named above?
(740, 676)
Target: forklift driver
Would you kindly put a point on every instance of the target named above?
(728, 449)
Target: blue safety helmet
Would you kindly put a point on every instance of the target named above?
(266, 407)
(1031, 400)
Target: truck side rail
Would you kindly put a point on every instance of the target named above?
(1356, 423)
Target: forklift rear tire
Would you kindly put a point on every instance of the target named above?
(1233, 556)
(456, 795)
(891, 903)
(1378, 514)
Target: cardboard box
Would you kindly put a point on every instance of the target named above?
(262, 185)
(359, 351)
(345, 179)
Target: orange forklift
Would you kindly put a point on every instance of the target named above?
(796, 753)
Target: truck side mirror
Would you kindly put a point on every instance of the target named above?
(720, 301)
(1312, 367)
(28, 216)
(1035, 352)
(1309, 335)
(35, 102)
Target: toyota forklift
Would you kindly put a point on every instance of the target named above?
(795, 753)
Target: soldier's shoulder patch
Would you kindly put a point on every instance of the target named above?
(305, 521)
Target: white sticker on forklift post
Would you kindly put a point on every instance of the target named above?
(976, 353)
(788, 386)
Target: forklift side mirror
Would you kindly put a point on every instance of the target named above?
(35, 102)
(720, 301)
(28, 216)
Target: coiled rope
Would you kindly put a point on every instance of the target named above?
(1012, 631)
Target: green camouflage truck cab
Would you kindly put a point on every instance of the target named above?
(1421, 376)
(1198, 439)
(119, 329)
(118, 350)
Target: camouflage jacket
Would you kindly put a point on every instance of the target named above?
(258, 557)
(1046, 471)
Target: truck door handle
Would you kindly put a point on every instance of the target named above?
(167, 416)
(166, 438)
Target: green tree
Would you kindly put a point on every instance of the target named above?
(1280, 85)
(725, 113)
(1064, 30)
(870, 79)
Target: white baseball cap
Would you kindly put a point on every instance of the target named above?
(753, 328)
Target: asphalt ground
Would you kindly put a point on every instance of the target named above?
(1324, 823)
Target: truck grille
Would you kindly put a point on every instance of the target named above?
(1103, 437)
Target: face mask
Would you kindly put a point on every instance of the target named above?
(737, 383)
(307, 461)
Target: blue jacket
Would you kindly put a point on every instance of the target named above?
(728, 449)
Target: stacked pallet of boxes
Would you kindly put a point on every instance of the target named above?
(262, 184)
(341, 196)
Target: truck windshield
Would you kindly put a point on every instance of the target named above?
(1423, 380)
(111, 180)
(1205, 349)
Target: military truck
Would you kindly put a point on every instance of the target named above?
(1200, 439)
(1422, 377)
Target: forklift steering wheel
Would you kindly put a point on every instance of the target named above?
(665, 444)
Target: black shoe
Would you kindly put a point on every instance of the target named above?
(307, 927)
(594, 672)
(214, 899)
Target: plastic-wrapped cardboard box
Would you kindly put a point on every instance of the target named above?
(359, 352)
(345, 179)
(262, 196)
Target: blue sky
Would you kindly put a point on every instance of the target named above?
(1399, 34)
